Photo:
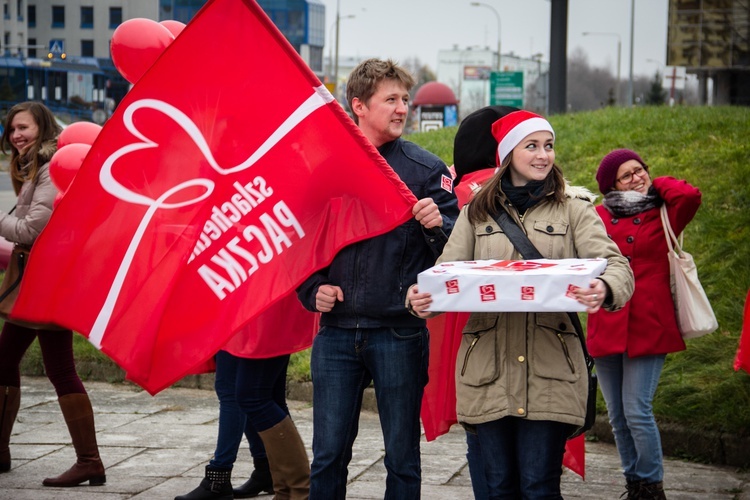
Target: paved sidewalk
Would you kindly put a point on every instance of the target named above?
(156, 448)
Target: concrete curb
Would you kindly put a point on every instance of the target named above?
(711, 447)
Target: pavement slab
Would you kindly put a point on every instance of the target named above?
(156, 447)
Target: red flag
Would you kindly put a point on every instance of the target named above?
(226, 176)
(575, 455)
(439, 401)
(742, 360)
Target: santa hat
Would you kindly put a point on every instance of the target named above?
(474, 147)
(511, 129)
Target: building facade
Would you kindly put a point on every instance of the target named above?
(711, 39)
(58, 51)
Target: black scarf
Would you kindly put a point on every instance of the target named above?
(627, 203)
(523, 197)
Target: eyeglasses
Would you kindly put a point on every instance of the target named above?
(639, 171)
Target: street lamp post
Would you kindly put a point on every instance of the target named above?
(331, 74)
(338, 24)
(630, 78)
(497, 15)
(619, 51)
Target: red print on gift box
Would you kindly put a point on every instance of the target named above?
(487, 293)
(451, 286)
(516, 265)
(571, 291)
(527, 293)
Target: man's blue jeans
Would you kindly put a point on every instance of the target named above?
(628, 386)
(266, 380)
(523, 458)
(343, 363)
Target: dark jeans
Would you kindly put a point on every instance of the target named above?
(232, 422)
(57, 354)
(523, 458)
(476, 467)
(252, 399)
(343, 363)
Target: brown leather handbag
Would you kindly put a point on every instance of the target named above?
(12, 280)
(12, 284)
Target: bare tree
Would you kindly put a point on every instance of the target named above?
(588, 88)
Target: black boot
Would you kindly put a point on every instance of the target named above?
(260, 481)
(216, 485)
(652, 491)
(634, 489)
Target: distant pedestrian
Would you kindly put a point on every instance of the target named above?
(629, 346)
(31, 135)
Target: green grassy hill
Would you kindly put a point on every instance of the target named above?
(710, 148)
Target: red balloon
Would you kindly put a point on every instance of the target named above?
(136, 44)
(58, 198)
(78, 133)
(65, 163)
(174, 27)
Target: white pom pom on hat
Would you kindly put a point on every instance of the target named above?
(511, 129)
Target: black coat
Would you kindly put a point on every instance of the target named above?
(375, 274)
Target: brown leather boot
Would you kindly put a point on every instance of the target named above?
(10, 400)
(79, 416)
(287, 459)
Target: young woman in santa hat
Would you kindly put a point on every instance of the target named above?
(629, 346)
(521, 376)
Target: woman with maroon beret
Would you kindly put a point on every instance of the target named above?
(631, 344)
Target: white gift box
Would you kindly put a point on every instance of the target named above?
(509, 285)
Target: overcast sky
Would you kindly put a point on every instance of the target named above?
(401, 29)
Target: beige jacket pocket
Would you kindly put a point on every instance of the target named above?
(477, 356)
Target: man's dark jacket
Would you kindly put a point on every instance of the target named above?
(375, 274)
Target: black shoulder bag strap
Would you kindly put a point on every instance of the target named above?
(527, 249)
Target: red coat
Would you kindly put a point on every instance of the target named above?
(647, 324)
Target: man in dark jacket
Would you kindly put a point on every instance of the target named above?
(367, 334)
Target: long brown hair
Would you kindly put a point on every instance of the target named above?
(487, 200)
(26, 168)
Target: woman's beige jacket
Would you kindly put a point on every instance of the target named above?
(34, 205)
(531, 365)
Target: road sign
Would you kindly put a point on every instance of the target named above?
(674, 77)
(506, 88)
(56, 47)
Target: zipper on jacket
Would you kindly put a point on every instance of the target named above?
(468, 353)
(567, 353)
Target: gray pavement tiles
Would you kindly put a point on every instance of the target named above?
(156, 448)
